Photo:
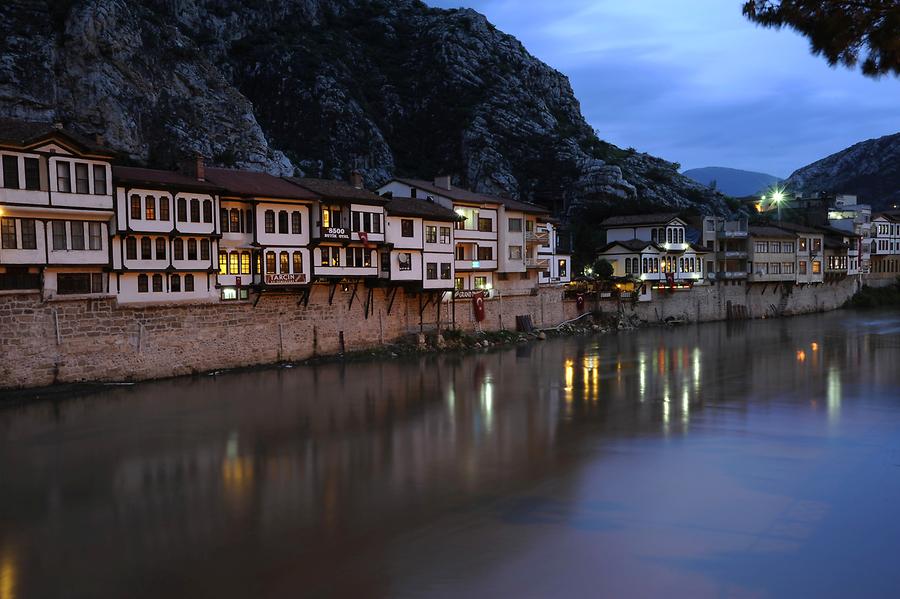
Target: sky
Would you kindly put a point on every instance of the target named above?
(694, 82)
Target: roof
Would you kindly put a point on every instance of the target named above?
(795, 228)
(149, 177)
(759, 231)
(420, 208)
(464, 195)
(829, 230)
(699, 248)
(635, 245)
(333, 189)
(833, 243)
(631, 220)
(28, 133)
(253, 184)
(891, 215)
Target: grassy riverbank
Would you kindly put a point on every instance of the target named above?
(876, 297)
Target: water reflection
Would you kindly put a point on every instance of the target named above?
(262, 483)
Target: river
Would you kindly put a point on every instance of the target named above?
(754, 459)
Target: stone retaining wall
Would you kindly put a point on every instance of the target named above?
(44, 343)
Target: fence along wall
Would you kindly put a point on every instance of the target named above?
(43, 343)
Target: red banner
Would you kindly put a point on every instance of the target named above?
(579, 302)
(478, 306)
(364, 237)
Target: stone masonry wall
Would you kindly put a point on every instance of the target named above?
(44, 343)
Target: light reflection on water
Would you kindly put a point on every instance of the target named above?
(690, 459)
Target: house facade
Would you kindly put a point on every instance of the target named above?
(56, 206)
(885, 245)
(419, 251)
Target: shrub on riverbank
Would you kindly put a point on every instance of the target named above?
(876, 297)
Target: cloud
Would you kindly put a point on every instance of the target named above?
(696, 83)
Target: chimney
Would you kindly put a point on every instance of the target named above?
(356, 179)
(99, 140)
(443, 182)
(200, 168)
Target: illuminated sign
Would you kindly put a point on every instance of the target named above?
(335, 233)
(285, 279)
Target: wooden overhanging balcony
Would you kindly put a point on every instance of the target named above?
(537, 237)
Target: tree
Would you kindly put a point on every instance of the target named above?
(603, 269)
(846, 32)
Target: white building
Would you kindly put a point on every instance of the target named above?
(165, 238)
(266, 232)
(56, 205)
(420, 245)
(885, 245)
(553, 255)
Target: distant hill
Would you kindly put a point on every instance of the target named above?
(732, 181)
(869, 169)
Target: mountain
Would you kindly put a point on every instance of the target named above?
(319, 87)
(869, 169)
(732, 181)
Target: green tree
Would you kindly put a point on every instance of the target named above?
(602, 268)
(847, 32)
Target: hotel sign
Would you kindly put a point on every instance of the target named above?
(285, 279)
(335, 233)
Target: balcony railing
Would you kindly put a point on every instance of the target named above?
(537, 237)
(542, 263)
(733, 254)
(728, 275)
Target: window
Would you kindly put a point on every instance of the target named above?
(145, 249)
(77, 228)
(142, 284)
(79, 283)
(150, 208)
(284, 262)
(430, 234)
(207, 211)
(405, 261)
(178, 249)
(188, 282)
(775, 268)
(245, 263)
(131, 248)
(816, 246)
(59, 235)
(775, 247)
(270, 221)
(195, 210)
(234, 219)
(204, 250)
(282, 222)
(29, 236)
(99, 180)
(326, 217)
(234, 263)
(8, 233)
(376, 223)
(460, 252)
(481, 282)
(485, 225)
(787, 247)
(181, 203)
(762, 247)
(406, 227)
(335, 256)
(431, 271)
(298, 263)
(515, 225)
(669, 235)
(248, 222)
(270, 261)
(33, 174)
(385, 262)
(135, 207)
(223, 263)
(367, 222)
(816, 267)
(164, 208)
(515, 252)
(485, 253)
(563, 268)
(445, 234)
(295, 223)
(787, 268)
(11, 172)
(63, 177)
(229, 293)
(458, 283)
(175, 283)
(445, 271)
(223, 219)
(644, 265)
(82, 184)
(354, 221)
(157, 283)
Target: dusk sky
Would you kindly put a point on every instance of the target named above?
(695, 82)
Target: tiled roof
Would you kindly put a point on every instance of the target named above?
(635, 245)
(464, 195)
(150, 177)
(420, 208)
(795, 228)
(835, 231)
(253, 184)
(761, 231)
(25, 133)
(333, 189)
(659, 218)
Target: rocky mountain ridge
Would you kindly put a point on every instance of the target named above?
(869, 169)
(319, 87)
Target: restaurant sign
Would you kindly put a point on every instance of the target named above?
(335, 233)
(285, 279)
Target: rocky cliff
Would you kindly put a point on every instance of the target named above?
(319, 87)
(869, 169)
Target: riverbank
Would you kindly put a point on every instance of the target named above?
(876, 297)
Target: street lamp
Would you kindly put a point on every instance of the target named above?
(777, 197)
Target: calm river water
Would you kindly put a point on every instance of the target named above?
(753, 460)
